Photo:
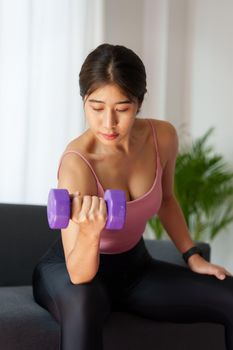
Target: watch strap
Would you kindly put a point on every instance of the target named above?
(190, 252)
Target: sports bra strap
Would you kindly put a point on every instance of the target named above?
(155, 141)
(82, 156)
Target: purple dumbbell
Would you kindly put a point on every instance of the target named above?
(59, 203)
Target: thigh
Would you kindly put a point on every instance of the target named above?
(54, 291)
(169, 292)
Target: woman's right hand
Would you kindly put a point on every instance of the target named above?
(89, 212)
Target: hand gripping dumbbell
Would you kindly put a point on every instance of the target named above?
(59, 208)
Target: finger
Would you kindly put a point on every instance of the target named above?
(94, 204)
(76, 206)
(103, 213)
(228, 273)
(86, 205)
(103, 207)
(220, 275)
(222, 272)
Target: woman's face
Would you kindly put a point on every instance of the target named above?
(110, 113)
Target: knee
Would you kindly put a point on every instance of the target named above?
(83, 300)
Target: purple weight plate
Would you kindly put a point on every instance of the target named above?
(116, 204)
(58, 208)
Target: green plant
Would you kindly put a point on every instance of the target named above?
(203, 186)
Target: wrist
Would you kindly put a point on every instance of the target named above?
(87, 239)
(194, 260)
(191, 253)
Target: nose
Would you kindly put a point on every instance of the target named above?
(110, 120)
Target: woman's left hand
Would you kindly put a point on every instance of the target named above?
(200, 265)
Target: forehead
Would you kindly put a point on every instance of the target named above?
(108, 93)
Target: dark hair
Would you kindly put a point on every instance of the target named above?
(113, 64)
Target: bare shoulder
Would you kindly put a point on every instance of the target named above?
(164, 128)
(167, 139)
(74, 173)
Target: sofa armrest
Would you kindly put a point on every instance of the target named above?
(165, 250)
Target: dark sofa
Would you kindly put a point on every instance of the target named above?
(24, 325)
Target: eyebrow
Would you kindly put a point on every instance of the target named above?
(119, 102)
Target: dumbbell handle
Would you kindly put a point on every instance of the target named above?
(59, 208)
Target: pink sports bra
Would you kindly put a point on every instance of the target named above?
(138, 211)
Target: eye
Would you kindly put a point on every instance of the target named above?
(97, 109)
(122, 110)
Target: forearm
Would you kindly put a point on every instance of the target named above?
(172, 219)
(83, 260)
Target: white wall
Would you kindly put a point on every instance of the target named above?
(187, 48)
(212, 71)
(123, 23)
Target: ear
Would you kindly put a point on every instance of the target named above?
(139, 107)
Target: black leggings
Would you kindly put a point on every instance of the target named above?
(130, 281)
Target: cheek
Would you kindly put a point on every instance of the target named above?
(93, 122)
(90, 116)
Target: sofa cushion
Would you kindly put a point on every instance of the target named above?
(24, 325)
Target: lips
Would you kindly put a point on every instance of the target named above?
(109, 136)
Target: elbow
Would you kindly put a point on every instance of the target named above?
(80, 273)
(76, 280)
(79, 278)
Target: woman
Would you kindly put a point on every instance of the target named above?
(90, 270)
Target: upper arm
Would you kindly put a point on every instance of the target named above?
(74, 175)
(168, 148)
